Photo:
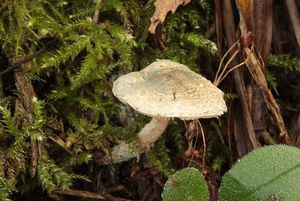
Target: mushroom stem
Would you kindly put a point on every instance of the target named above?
(147, 136)
(151, 132)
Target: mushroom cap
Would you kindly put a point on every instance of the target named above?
(169, 89)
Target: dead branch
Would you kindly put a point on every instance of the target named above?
(26, 93)
(97, 11)
(239, 82)
(80, 193)
(23, 61)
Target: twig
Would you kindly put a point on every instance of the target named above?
(273, 106)
(112, 198)
(204, 143)
(115, 188)
(34, 157)
(239, 83)
(220, 71)
(211, 31)
(26, 93)
(265, 135)
(20, 63)
(97, 12)
(80, 193)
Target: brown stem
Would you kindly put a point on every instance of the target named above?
(255, 67)
(26, 93)
(239, 82)
(211, 31)
(97, 12)
(80, 193)
(19, 63)
(294, 18)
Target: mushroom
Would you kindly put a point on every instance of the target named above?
(165, 89)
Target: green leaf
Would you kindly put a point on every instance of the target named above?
(285, 61)
(272, 172)
(186, 184)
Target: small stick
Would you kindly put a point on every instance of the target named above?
(220, 77)
(18, 64)
(222, 61)
(211, 31)
(97, 12)
(80, 193)
(204, 143)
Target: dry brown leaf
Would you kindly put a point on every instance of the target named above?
(162, 7)
(60, 142)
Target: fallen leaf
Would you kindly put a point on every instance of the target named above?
(162, 8)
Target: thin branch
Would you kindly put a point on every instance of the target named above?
(222, 61)
(218, 79)
(204, 143)
(26, 93)
(80, 193)
(211, 31)
(20, 63)
(238, 79)
(97, 12)
(229, 71)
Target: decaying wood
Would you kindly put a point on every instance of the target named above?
(26, 94)
(261, 26)
(244, 122)
(239, 130)
(162, 8)
(256, 66)
(251, 85)
(257, 109)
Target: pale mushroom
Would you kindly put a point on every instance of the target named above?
(165, 89)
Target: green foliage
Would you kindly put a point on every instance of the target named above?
(6, 187)
(52, 177)
(13, 145)
(271, 79)
(271, 171)
(285, 61)
(186, 184)
(184, 36)
(80, 61)
(268, 172)
(290, 67)
(75, 113)
(200, 42)
(34, 130)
